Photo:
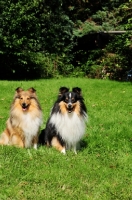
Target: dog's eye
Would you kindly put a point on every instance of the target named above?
(66, 100)
(73, 100)
(28, 98)
(21, 98)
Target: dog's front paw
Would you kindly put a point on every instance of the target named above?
(35, 146)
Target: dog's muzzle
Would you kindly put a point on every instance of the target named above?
(70, 108)
(24, 106)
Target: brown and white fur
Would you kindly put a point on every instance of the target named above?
(22, 127)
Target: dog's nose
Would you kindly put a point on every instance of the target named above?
(24, 105)
(69, 105)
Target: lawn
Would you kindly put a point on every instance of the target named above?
(102, 169)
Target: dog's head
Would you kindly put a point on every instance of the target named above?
(25, 97)
(70, 99)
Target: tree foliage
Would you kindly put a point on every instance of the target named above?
(28, 30)
(52, 38)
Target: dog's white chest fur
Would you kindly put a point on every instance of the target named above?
(29, 124)
(69, 126)
(30, 128)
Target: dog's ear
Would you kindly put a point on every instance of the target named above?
(19, 90)
(62, 90)
(77, 90)
(32, 90)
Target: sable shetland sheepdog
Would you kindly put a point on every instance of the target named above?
(22, 127)
(66, 124)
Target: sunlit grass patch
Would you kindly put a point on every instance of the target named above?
(102, 168)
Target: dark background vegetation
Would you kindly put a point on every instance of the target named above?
(45, 39)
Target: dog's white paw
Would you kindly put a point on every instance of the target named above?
(75, 150)
(63, 151)
(35, 146)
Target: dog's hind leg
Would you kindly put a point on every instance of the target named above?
(55, 143)
(4, 138)
(16, 140)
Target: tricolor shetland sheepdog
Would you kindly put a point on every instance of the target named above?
(22, 127)
(66, 124)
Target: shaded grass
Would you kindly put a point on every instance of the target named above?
(101, 169)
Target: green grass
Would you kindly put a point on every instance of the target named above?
(102, 168)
